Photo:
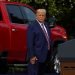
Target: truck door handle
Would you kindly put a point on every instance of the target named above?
(13, 29)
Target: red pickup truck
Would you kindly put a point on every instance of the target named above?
(14, 19)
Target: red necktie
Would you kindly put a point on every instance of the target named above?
(46, 34)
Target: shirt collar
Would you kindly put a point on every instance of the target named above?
(39, 22)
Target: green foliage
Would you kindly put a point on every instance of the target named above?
(52, 7)
(58, 8)
(23, 1)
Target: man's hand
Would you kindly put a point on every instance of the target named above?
(33, 60)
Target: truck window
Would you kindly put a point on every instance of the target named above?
(28, 14)
(15, 14)
(1, 15)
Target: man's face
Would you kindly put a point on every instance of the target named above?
(40, 16)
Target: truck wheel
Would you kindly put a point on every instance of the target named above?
(50, 64)
(3, 66)
(54, 54)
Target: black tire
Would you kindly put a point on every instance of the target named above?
(3, 66)
(54, 51)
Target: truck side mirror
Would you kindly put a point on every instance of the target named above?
(52, 25)
(51, 21)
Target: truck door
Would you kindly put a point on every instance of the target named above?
(18, 30)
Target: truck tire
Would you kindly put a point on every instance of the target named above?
(3, 62)
(3, 66)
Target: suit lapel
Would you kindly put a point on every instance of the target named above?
(38, 25)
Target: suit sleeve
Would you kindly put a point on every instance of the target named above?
(30, 41)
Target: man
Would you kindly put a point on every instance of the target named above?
(38, 43)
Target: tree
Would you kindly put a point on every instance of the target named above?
(61, 9)
(23, 1)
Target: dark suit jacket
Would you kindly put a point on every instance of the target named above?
(37, 43)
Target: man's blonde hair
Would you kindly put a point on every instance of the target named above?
(41, 10)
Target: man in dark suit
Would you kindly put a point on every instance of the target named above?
(38, 44)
